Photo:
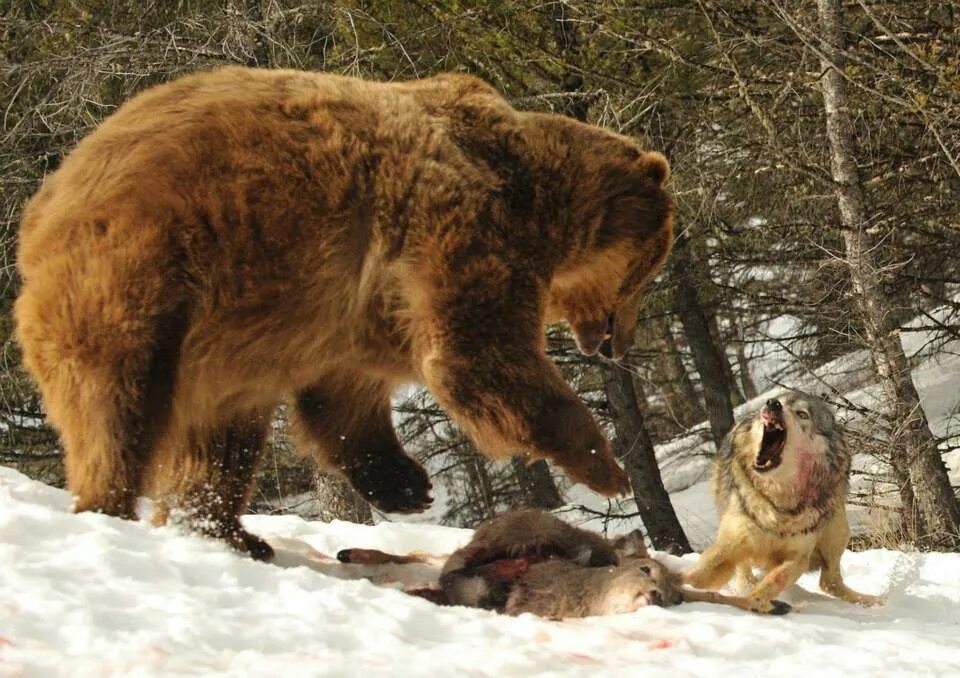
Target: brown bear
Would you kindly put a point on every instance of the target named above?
(239, 236)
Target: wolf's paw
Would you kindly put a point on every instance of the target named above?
(869, 601)
(779, 607)
(395, 484)
(763, 606)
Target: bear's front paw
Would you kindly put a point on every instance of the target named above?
(601, 473)
(394, 484)
(574, 442)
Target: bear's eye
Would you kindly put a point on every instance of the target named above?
(645, 569)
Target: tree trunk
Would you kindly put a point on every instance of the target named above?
(338, 501)
(747, 386)
(536, 484)
(913, 446)
(481, 492)
(632, 445)
(706, 354)
(678, 391)
(736, 397)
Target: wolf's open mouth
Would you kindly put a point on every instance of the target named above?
(770, 453)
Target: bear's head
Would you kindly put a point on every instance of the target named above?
(622, 217)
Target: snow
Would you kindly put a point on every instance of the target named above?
(90, 595)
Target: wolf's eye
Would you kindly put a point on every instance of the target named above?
(802, 414)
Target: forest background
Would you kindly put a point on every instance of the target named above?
(815, 149)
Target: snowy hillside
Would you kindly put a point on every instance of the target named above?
(685, 462)
(89, 595)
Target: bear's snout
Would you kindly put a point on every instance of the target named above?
(592, 335)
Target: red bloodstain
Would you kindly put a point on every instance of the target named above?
(661, 644)
(582, 658)
(511, 568)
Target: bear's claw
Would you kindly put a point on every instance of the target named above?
(394, 485)
(601, 474)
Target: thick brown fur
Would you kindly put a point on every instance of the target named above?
(238, 237)
(785, 520)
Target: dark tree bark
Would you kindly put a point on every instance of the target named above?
(633, 446)
(736, 396)
(707, 356)
(481, 493)
(536, 484)
(916, 459)
(747, 385)
(681, 397)
(338, 501)
(567, 36)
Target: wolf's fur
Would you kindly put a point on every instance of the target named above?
(785, 520)
(241, 236)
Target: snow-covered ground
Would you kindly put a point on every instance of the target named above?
(89, 595)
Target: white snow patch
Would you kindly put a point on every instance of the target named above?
(89, 595)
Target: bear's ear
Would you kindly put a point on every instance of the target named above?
(655, 166)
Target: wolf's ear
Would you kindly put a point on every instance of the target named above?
(630, 545)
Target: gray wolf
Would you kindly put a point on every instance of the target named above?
(780, 484)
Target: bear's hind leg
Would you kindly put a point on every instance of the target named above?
(104, 465)
(208, 477)
(344, 423)
(107, 388)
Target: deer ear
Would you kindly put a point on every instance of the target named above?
(631, 545)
